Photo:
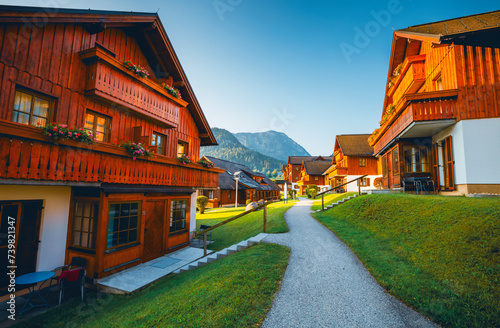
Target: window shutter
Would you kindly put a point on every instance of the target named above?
(367, 182)
(449, 162)
(435, 164)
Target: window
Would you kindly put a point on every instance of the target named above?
(416, 159)
(182, 148)
(158, 141)
(98, 124)
(362, 162)
(316, 178)
(178, 215)
(296, 168)
(439, 83)
(31, 108)
(384, 166)
(210, 194)
(85, 223)
(123, 223)
(229, 194)
(395, 161)
(365, 182)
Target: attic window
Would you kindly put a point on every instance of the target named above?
(439, 83)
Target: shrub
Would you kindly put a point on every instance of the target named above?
(248, 201)
(201, 203)
(292, 193)
(311, 191)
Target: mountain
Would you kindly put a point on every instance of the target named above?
(271, 143)
(231, 149)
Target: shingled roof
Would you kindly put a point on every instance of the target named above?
(316, 168)
(246, 181)
(479, 29)
(301, 159)
(355, 145)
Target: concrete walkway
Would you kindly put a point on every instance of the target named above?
(325, 285)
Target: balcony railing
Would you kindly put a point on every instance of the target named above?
(25, 153)
(108, 80)
(340, 171)
(412, 77)
(417, 111)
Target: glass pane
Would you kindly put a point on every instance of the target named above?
(20, 117)
(125, 210)
(133, 222)
(85, 239)
(76, 239)
(41, 107)
(113, 210)
(132, 236)
(124, 223)
(101, 125)
(134, 209)
(112, 240)
(22, 102)
(78, 208)
(78, 223)
(89, 121)
(38, 121)
(92, 225)
(123, 239)
(86, 224)
(113, 225)
(86, 210)
(153, 141)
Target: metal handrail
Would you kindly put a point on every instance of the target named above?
(204, 232)
(322, 194)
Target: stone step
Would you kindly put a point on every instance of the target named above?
(222, 253)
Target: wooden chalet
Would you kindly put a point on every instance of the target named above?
(292, 171)
(251, 185)
(95, 201)
(441, 116)
(352, 158)
(311, 173)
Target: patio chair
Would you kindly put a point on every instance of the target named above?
(76, 262)
(411, 184)
(428, 185)
(70, 279)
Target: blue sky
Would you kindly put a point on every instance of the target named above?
(258, 65)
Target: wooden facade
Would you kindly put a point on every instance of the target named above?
(74, 62)
(352, 157)
(445, 76)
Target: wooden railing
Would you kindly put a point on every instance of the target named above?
(205, 231)
(108, 80)
(322, 194)
(411, 80)
(27, 154)
(417, 111)
(339, 170)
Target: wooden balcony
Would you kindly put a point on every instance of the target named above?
(417, 111)
(339, 171)
(109, 81)
(25, 153)
(412, 77)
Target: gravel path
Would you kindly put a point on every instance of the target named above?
(325, 285)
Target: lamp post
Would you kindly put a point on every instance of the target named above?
(236, 177)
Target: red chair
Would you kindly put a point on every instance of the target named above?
(70, 279)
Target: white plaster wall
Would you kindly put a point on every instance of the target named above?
(476, 150)
(353, 186)
(192, 211)
(54, 222)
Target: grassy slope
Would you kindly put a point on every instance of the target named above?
(330, 199)
(236, 291)
(245, 227)
(438, 254)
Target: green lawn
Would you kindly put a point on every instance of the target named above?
(437, 254)
(236, 291)
(330, 199)
(245, 227)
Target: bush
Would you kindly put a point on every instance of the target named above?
(311, 191)
(249, 201)
(201, 203)
(292, 193)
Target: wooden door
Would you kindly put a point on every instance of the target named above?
(153, 231)
(20, 223)
(390, 180)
